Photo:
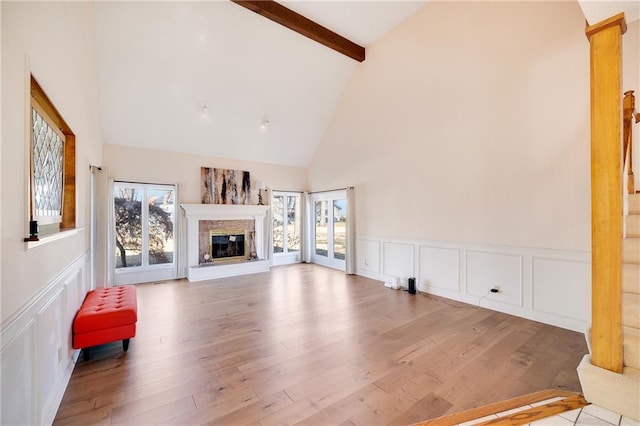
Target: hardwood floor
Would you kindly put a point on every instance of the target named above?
(307, 344)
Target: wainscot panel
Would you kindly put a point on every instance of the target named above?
(397, 261)
(49, 326)
(535, 283)
(555, 285)
(487, 270)
(18, 404)
(439, 268)
(368, 255)
(37, 357)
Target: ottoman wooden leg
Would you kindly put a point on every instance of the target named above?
(125, 344)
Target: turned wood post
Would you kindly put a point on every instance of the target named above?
(605, 39)
(628, 112)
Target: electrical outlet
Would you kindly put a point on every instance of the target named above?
(495, 289)
(365, 262)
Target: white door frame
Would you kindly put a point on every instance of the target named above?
(146, 272)
(328, 260)
(286, 257)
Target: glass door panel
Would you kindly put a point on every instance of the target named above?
(339, 229)
(293, 224)
(160, 218)
(321, 235)
(278, 224)
(285, 208)
(128, 216)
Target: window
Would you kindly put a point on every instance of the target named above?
(52, 192)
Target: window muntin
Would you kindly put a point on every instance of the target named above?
(47, 149)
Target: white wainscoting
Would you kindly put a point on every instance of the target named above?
(546, 285)
(37, 357)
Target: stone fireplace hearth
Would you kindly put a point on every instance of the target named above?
(214, 235)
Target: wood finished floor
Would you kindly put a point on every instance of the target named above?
(307, 344)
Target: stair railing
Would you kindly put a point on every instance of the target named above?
(629, 114)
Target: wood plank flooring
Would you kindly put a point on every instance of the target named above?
(310, 345)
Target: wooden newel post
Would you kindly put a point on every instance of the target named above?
(628, 111)
(605, 39)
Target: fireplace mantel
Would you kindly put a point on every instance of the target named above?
(197, 212)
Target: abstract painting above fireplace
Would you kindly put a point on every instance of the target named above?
(223, 186)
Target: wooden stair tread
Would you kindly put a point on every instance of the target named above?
(631, 310)
(631, 348)
(632, 225)
(631, 250)
(631, 278)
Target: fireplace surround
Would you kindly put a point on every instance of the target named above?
(206, 221)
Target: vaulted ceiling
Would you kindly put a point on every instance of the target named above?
(160, 63)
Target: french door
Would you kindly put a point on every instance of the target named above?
(287, 227)
(329, 229)
(143, 238)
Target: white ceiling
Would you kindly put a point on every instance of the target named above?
(599, 10)
(159, 62)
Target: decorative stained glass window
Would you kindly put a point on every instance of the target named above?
(48, 170)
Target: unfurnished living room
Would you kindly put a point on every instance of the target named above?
(320, 212)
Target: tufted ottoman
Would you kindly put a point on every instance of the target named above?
(106, 315)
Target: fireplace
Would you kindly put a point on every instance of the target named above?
(228, 245)
(225, 240)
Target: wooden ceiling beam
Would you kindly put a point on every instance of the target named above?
(308, 28)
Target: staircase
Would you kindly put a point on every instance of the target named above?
(621, 392)
(631, 286)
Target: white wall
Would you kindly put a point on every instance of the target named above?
(469, 122)
(144, 165)
(43, 287)
(152, 166)
(466, 135)
(55, 41)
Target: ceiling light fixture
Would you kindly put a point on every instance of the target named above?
(265, 122)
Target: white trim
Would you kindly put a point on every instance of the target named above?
(212, 272)
(286, 257)
(569, 273)
(197, 212)
(53, 237)
(24, 322)
(146, 272)
(223, 211)
(329, 260)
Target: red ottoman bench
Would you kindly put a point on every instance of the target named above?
(106, 315)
